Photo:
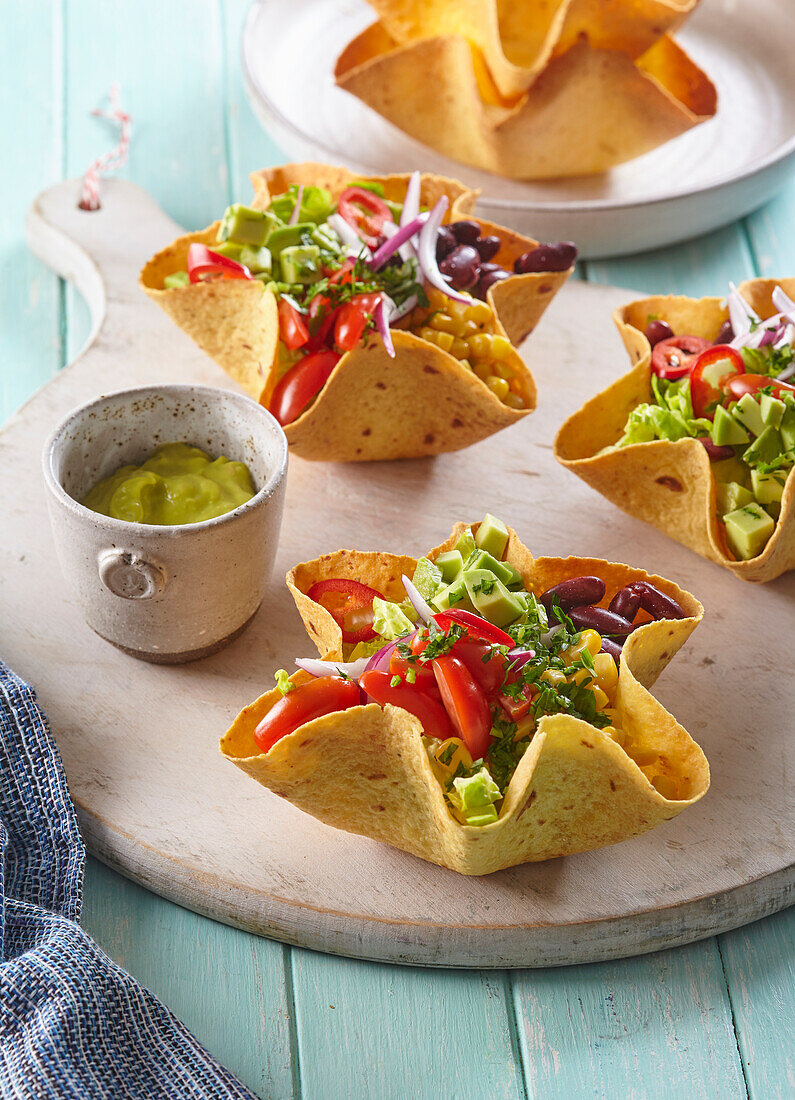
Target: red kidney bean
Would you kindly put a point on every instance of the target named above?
(625, 603)
(546, 257)
(445, 242)
(488, 247)
(726, 333)
(462, 266)
(465, 232)
(489, 279)
(609, 645)
(658, 330)
(574, 593)
(598, 618)
(655, 602)
(716, 451)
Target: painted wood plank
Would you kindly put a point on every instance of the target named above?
(771, 232)
(758, 962)
(30, 106)
(377, 1032)
(231, 989)
(646, 1028)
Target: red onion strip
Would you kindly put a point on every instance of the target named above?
(427, 253)
(393, 243)
(297, 208)
(353, 669)
(382, 324)
(421, 606)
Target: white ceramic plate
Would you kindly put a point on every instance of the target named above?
(709, 176)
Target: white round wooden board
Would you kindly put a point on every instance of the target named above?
(707, 177)
(139, 741)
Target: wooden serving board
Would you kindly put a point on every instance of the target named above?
(157, 801)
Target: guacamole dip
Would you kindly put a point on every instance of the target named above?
(177, 484)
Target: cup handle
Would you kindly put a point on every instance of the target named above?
(125, 574)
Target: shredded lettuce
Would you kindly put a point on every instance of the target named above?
(474, 797)
(390, 620)
(427, 578)
(316, 204)
(670, 417)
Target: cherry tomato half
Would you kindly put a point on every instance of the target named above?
(300, 384)
(485, 663)
(325, 695)
(350, 604)
(674, 357)
(430, 712)
(475, 625)
(365, 212)
(465, 702)
(740, 384)
(293, 331)
(424, 678)
(709, 375)
(205, 264)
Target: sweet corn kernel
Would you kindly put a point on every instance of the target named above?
(479, 345)
(581, 676)
(445, 323)
(427, 333)
(606, 672)
(666, 786)
(465, 363)
(469, 328)
(457, 309)
(513, 401)
(643, 757)
(481, 313)
(504, 370)
(459, 755)
(500, 347)
(601, 697)
(590, 640)
(482, 370)
(618, 735)
(459, 348)
(498, 386)
(553, 676)
(443, 340)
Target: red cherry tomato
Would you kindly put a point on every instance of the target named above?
(740, 384)
(430, 712)
(325, 695)
(365, 212)
(300, 384)
(489, 673)
(349, 325)
(344, 273)
(673, 358)
(465, 702)
(350, 604)
(520, 706)
(293, 331)
(475, 625)
(709, 375)
(424, 678)
(205, 264)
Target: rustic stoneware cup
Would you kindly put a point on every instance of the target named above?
(166, 593)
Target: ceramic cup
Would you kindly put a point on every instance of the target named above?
(166, 593)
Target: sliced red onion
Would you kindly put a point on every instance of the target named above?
(396, 312)
(421, 606)
(289, 298)
(411, 203)
(771, 335)
(787, 373)
(399, 237)
(381, 323)
(783, 303)
(740, 314)
(347, 234)
(518, 658)
(550, 634)
(379, 662)
(297, 208)
(427, 253)
(353, 669)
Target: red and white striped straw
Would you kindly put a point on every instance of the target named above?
(108, 162)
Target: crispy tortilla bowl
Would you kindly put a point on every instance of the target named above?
(366, 770)
(585, 112)
(670, 485)
(373, 407)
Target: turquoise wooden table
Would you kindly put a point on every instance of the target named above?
(711, 1020)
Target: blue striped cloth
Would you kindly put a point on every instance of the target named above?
(72, 1023)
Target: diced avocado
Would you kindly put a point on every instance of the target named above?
(257, 260)
(300, 263)
(230, 249)
(725, 429)
(455, 595)
(732, 496)
(787, 428)
(492, 536)
(450, 564)
(286, 236)
(768, 487)
(730, 469)
(491, 598)
(178, 278)
(748, 412)
(466, 543)
(246, 226)
(772, 409)
(747, 530)
(325, 237)
(427, 578)
(765, 448)
(501, 569)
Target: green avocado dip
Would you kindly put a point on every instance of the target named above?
(177, 484)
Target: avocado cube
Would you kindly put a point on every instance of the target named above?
(246, 226)
(257, 260)
(731, 469)
(288, 235)
(765, 448)
(466, 544)
(747, 530)
(787, 427)
(491, 598)
(230, 249)
(178, 278)
(454, 596)
(501, 569)
(427, 578)
(492, 536)
(772, 409)
(732, 496)
(748, 412)
(726, 429)
(768, 487)
(450, 565)
(300, 263)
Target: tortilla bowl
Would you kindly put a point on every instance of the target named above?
(586, 111)
(373, 407)
(366, 770)
(670, 485)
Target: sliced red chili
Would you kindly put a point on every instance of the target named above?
(365, 212)
(475, 625)
(709, 376)
(350, 604)
(205, 264)
(673, 358)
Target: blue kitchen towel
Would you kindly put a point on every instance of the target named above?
(73, 1024)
